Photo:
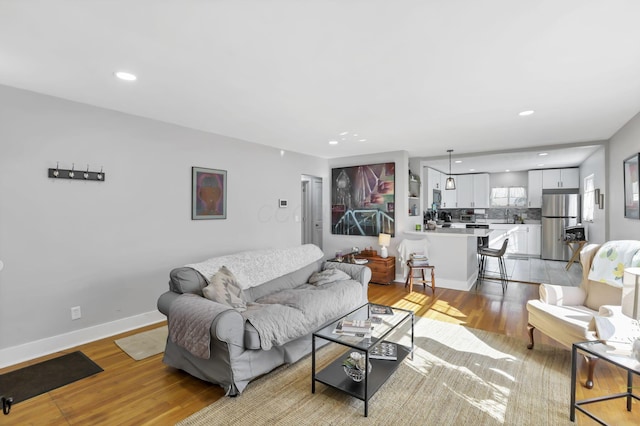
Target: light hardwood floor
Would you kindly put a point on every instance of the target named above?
(147, 392)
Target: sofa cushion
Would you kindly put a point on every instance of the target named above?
(289, 314)
(568, 324)
(602, 294)
(186, 280)
(287, 281)
(328, 276)
(225, 289)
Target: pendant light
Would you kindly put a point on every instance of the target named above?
(450, 183)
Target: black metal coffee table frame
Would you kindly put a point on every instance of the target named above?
(599, 349)
(333, 374)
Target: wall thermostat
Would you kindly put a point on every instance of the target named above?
(282, 203)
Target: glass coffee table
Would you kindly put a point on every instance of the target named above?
(611, 355)
(381, 369)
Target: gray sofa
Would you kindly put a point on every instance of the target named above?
(238, 351)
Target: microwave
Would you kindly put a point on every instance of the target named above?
(468, 218)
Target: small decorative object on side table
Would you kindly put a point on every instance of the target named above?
(354, 366)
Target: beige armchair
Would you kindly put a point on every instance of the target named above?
(566, 313)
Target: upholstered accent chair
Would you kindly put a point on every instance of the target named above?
(566, 314)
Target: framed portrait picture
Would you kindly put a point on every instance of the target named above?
(631, 178)
(208, 193)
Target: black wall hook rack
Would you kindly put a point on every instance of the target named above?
(57, 173)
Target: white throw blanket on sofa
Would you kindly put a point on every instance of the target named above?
(252, 268)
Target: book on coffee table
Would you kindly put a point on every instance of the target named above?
(338, 330)
(356, 326)
(380, 310)
(385, 350)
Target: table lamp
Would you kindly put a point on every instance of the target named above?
(384, 240)
(631, 293)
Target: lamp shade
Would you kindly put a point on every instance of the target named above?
(384, 239)
(631, 293)
(450, 183)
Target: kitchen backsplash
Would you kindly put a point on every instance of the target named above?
(499, 213)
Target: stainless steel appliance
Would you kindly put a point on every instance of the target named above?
(559, 211)
(437, 199)
(467, 218)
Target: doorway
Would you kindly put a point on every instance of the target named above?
(312, 210)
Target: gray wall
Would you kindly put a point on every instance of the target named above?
(596, 164)
(622, 145)
(108, 247)
(509, 179)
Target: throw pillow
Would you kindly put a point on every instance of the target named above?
(224, 288)
(328, 276)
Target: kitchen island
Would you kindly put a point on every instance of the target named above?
(453, 252)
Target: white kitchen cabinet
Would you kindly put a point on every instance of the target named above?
(481, 191)
(560, 178)
(534, 240)
(570, 178)
(523, 238)
(464, 191)
(434, 178)
(535, 189)
(517, 237)
(449, 196)
(472, 190)
(434, 181)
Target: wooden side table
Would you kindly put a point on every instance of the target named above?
(411, 279)
(576, 248)
(383, 270)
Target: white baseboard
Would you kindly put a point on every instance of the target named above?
(38, 348)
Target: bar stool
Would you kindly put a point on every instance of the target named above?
(410, 277)
(497, 253)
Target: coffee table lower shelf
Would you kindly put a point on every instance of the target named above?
(333, 375)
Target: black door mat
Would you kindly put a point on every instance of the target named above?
(45, 376)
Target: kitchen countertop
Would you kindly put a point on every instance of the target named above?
(495, 222)
(458, 232)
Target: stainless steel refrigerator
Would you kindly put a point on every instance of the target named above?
(558, 212)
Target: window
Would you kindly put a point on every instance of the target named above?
(588, 201)
(512, 196)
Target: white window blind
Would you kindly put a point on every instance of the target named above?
(512, 196)
(588, 201)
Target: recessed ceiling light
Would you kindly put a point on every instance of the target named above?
(363, 140)
(458, 161)
(472, 170)
(355, 134)
(126, 76)
(542, 154)
(333, 142)
(541, 164)
(525, 113)
(507, 170)
(344, 133)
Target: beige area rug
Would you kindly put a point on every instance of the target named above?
(459, 376)
(145, 344)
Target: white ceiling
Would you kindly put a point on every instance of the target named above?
(417, 75)
(513, 160)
